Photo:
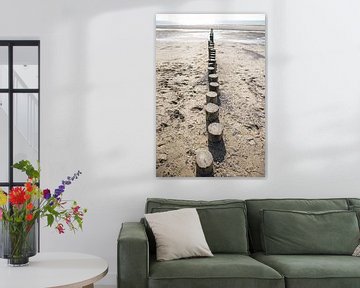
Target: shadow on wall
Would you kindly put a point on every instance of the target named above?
(99, 7)
(68, 70)
(311, 120)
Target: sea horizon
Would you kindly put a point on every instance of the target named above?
(233, 26)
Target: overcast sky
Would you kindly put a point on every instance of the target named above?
(205, 19)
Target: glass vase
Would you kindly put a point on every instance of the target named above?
(18, 242)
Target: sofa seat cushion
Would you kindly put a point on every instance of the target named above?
(222, 270)
(313, 271)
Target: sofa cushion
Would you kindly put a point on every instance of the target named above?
(353, 201)
(354, 205)
(178, 234)
(297, 232)
(356, 209)
(222, 270)
(254, 216)
(223, 221)
(313, 271)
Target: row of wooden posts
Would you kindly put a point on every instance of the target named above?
(204, 159)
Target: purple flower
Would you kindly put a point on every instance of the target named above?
(58, 192)
(66, 182)
(46, 194)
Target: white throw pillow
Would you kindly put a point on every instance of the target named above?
(357, 251)
(178, 234)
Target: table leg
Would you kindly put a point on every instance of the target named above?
(89, 286)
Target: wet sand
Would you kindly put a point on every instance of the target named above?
(181, 85)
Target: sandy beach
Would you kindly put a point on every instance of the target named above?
(181, 86)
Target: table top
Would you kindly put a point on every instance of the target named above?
(66, 270)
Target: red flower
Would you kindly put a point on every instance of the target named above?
(60, 228)
(27, 196)
(29, 186)
(68, 219)
(75, 209)
(29, 206)
(29, 217)
(17, 196)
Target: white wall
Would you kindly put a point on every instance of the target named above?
(98, 105)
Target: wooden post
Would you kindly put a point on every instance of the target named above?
(212, 112)
(213, 61)
(213, 78)
(214, 86)
(204, 163)
(212, 97)
(215, 132)
(211, 64)
(211, 70)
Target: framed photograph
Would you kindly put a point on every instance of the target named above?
(210, 95)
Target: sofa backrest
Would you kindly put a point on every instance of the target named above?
(256, 205)
(223, 221)
(353, 202)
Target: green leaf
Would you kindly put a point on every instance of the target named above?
(28, 168)
(21, 165)
(50, 219)
(79, 221)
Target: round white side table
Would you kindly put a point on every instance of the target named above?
(50, 270)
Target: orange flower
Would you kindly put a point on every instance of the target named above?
(29, 206)
(29, 187)
(29, 217)
(27, 196)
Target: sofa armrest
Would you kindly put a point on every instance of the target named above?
(133, 256)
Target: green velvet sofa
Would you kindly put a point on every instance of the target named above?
(233, 230)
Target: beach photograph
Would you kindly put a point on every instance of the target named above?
(210, 95)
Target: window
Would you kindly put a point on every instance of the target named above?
(19, 108)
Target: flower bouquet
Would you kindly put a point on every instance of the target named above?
(21, 208)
